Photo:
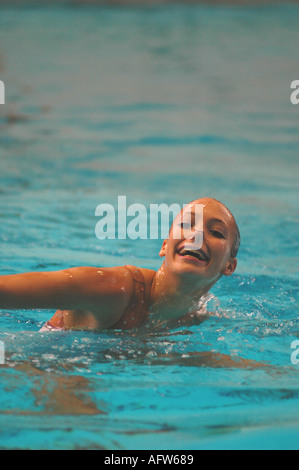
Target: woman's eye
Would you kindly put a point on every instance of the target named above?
(217, 234)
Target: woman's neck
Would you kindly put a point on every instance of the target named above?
(174, 296)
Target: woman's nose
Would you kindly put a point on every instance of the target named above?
(197, 239)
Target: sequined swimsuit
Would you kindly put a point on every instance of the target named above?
(134, 316)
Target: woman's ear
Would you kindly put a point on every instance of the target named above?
(163, 249)
(230, 267)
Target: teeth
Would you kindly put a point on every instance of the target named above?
(196, 254)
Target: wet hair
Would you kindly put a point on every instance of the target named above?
(237, 236)
(236, 242)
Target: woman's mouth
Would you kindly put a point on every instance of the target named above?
(200, 256)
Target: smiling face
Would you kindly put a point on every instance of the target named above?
(201, 246)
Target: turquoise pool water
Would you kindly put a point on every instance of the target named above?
(160, 105)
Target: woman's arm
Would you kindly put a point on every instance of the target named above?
(105, 291)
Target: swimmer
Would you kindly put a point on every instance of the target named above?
(126, 297)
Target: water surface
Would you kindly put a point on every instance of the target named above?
(161, 105)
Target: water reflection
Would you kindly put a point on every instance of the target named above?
(54, 394)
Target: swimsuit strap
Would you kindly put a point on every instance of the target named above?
(136, 313)
(136, 273)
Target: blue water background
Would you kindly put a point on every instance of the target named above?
(162, 105)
